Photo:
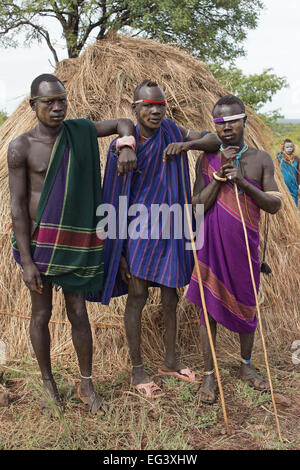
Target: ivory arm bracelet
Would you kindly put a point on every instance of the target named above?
(218, 178)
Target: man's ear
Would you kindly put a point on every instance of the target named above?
(32, 104)
(133, 107)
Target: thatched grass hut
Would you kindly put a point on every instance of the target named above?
(100, 85)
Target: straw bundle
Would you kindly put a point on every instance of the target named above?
(100, 86)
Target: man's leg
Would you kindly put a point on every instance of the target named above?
(83, 344)
(208, 388)
(246, 372)
(169, 300)
(40, 336)
(137, 297)
(171, 366)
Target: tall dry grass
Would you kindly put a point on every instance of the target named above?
(100, 85)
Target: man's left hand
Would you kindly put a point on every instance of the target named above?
(175, 148)
(233, 174)
(126, 161)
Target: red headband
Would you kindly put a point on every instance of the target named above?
(150, 101)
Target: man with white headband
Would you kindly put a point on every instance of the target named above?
(223, 261)
(146, 262)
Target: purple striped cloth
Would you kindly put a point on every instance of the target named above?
(223, 260)
(161, 261)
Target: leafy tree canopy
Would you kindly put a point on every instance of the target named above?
(213, 30)
(255, 90)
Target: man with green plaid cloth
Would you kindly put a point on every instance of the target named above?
(55, 186)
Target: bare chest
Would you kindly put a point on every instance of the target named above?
(39, 158)
(251, 167)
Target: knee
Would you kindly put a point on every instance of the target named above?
(40, 318)
(137, 300)
(78, 317)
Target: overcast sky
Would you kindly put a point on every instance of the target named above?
(274, 44)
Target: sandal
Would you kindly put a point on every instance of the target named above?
(183, 374)
(148, 390)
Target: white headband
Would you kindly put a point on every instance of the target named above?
(229, 118)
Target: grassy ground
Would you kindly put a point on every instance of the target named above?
(178, 421)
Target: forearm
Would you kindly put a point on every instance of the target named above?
(125, 127)
(265, 201)
(208, 195)
(120, 126)
(22, 227)
(209, 143)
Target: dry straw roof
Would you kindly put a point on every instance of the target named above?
(100, 85)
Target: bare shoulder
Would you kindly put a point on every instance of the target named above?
(18, 150)
(263, 157)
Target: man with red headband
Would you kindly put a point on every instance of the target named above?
(55, 186)
(223, 261)
(146, 261)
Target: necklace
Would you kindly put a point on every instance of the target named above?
(238, 164)
(236, 161)
(288, 158)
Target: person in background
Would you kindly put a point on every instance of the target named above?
(289, 164)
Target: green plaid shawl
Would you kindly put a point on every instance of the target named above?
(65, 246)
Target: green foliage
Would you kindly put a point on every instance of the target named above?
(271, 117)
(254, 90)
(211, 29)
(3, 117)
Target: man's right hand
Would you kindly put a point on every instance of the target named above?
(228, 155)
(124, 270)
(127, 161)
(32, 278)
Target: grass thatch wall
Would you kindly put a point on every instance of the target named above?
(100, 85)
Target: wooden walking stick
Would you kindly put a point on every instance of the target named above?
(258, 312)
(211, 343)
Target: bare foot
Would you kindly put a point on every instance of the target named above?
(52, 395)
(139, 375)
(87, 394)
(248, 375)
(172, 365)
(208, 389)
